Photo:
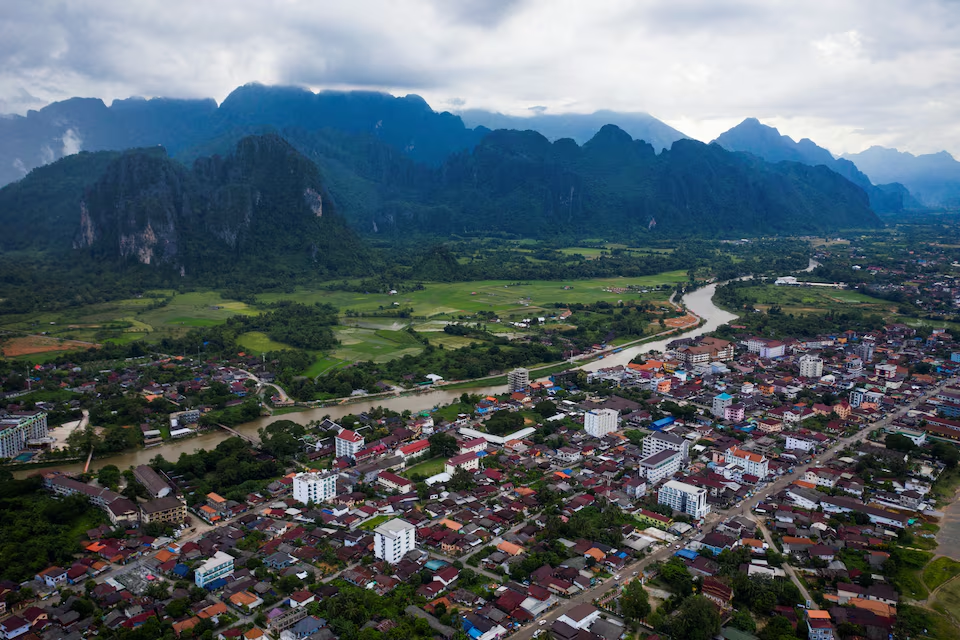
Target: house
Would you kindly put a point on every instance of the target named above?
(14, 627)
(52, 577)
(580, 616)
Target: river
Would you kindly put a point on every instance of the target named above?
(699, 302)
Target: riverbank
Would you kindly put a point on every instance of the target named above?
(699, 302)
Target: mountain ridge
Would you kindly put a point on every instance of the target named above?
(934, 177)
(764, 141)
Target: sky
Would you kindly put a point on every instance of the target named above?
(846, 73)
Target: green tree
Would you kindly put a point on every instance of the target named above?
(109, 476)
(634, 603)
(697, 619)
(744, 621)
(899, 442)
(443, 445)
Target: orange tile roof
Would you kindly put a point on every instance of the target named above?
(509, 547)
(818, 614)
(450, 524)
(216, 497)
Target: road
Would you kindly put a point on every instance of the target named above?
(747, 505)
(786, 567)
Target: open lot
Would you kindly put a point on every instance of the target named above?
(36, 345)
(427, 468)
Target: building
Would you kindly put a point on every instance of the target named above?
(314, 487)
(799, 443)
(167, 510)
(468, 461)
(393, 482)
(600, 422)
(19, 429)
(752, 463)
(811, 366)
(685, 498)
(394, 539)
(117, 508)
(865, 350)
(219, 566)
(414, 450)
(720, 404)
(707, 350)
(660, 465)
(348, 443)
(580, 616)
(155, 485)
(518, 379)
(819, 626)
(476, 445)
(734, 412)
(659, 441)
(14, 627)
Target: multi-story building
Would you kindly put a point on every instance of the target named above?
(314, 487)
(348, 443)
(394, 539)
(811, 366)
(17, 430)
(660, 465)
(600, 422)
(685, 498)
(518, 379)
(393, 482)
(734, 412)
(468, 461)
(752, 463)
(167, 510)
(659, 441)
(720, 404)
(865, 350)
(219, 566)
(708, 350)
(766, 348)
(799, 442)
(819, 626)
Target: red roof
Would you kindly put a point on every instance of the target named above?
(462, 458)
(414, 447)
(349, 436)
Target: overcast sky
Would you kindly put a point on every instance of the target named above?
(846, 73)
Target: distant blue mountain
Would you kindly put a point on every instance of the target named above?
(581, 127)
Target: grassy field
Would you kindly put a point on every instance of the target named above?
(813, 299)
(131, 319)
(378, 345)
(374, 522)
(257, 342)
(427, 468)
(504, 298)
(947, 602)
(939, 571)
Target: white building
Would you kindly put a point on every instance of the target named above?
(580, 616)
(394, 539)
(659, 441)
(600, 422)
(15, 431)
(220, 565)
(685, 498)
(797, 442)
(518, 379)
(348, 443)
(314, 487)
(752, 463)
(660, 465)
(811, 366)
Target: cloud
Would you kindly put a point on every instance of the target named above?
(72, 143)
(846, 74)
(19, 166)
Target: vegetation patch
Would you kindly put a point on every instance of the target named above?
(427, 468)
(940, 571)
(259, 342)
